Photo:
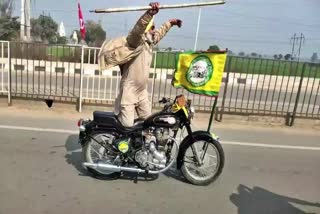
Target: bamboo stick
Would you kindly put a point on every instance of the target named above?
(117, 10)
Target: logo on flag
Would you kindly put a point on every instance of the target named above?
(200, 73)
(81, 21)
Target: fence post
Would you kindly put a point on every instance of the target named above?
(225, 89)
(9, 77)
(293, 116)
(154, 77)
(81, 80)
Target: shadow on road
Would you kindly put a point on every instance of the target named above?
(175, 174)
(74, 157)
(262, 201)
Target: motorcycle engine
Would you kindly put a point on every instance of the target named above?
(153, 153)
(162, 135)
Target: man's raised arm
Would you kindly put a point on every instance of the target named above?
(135, 35)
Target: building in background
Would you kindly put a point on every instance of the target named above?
(62, 31)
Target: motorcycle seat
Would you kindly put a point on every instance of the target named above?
(109, 119)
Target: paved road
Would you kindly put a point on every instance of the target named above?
(41, 173)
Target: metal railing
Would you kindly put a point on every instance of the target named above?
(102, 86)
(271, 87)
(42, 71)
(4, 68)
(251, 86)
(96, 85)
(307, 104)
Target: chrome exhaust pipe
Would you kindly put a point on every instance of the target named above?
(112, 168)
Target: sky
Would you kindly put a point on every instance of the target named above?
(260, 26)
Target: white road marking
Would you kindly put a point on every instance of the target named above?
(23, 128)
(276, 146)
(64, 131)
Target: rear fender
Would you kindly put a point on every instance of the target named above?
(188, 140)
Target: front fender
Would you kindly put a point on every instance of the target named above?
(188, 140)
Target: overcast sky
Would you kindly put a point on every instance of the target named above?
(258, 26)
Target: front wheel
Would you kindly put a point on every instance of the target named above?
(203, 160)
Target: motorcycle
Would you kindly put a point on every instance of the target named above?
(151, 146)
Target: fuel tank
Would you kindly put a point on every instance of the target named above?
(161, 119)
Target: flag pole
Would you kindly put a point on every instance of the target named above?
(143, 8)
(212, 112)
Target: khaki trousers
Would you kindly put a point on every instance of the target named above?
(126, 112)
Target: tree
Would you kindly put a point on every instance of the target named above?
(242, 53)
(156, 48)
(6, 8)
(314, 57)
(44, 28)
(9, 26)
(275, 56)
(213, 48)
(280, 56)
(95, 35)
(287, 57)
(61, 40)
(254, 54)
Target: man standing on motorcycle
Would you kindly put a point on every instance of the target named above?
(133, 95)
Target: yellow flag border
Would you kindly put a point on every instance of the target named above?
(201, 92)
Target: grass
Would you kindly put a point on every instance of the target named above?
(271, 67)
(244, 65)
(250, 66)
(165, 60)
(60, 51)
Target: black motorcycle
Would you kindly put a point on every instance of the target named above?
(151, 146)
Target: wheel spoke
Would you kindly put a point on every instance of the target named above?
(209, 157)
(214, 157)
(95, 151)
(189, 162)
(206, 167)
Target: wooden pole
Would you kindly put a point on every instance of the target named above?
(117, 10)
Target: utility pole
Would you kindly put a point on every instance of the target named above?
(302, 39)
(297, 40)
(25, 26)
(197, 32)
(294, 42)
(28, 25)
(22, 21)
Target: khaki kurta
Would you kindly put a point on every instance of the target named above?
(133, 94)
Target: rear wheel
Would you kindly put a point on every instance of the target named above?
(211, 160)
(95, 151)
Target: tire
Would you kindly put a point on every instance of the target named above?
(87, 157)
(220, 152)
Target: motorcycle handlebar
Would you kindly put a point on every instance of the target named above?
(164, 100)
